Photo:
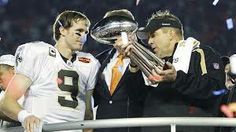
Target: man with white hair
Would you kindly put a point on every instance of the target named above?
(7, 63)
(7, 71)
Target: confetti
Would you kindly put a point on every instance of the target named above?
(229, 23)
(137, 2)
(215, 2)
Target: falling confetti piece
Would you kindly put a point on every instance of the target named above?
(215, 2)
(229, 23)
(137, 2)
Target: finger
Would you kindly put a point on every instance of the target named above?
(34, 126)
(158, 71)
(171, 68)
(160, 67)
(155, 77)
(168, 72)
(31, 125)
(232, 107)
(155, 72)
(27, 126)
(123, 46)
(169, 65)
(151, 78)
(171, 75)
(117, 45)
(37, 122)
(118, 42)
(118, 39)
(130, 42)
(225, 109)
(128, 53)
(130, 36)
(128, 49)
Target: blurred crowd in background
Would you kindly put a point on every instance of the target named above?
(30, 20)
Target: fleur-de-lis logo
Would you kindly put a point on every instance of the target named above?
(175, 60)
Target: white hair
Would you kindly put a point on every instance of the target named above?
(7, 60)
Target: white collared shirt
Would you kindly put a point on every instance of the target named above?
(107, 72)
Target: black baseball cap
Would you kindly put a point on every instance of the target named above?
(157, 23)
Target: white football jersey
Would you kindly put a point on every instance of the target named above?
(57, 93)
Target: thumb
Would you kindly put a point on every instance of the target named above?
(168, 65)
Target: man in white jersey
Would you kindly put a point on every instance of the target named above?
(54, 80)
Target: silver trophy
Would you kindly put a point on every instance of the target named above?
(107, 30)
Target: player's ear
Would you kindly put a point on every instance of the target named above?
(63, 31)
(12, 71)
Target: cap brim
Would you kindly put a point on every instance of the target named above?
(156, 24)
(142, 33)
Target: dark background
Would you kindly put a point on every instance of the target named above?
(22, 21)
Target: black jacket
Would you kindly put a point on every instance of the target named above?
(191, 95)
(126, 101)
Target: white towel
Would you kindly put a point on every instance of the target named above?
(182, 55)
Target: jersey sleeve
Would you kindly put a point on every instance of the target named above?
(29, 59)
(95, 65)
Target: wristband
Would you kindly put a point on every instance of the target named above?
(22, 115)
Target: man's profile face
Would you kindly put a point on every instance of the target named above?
(160, 43)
